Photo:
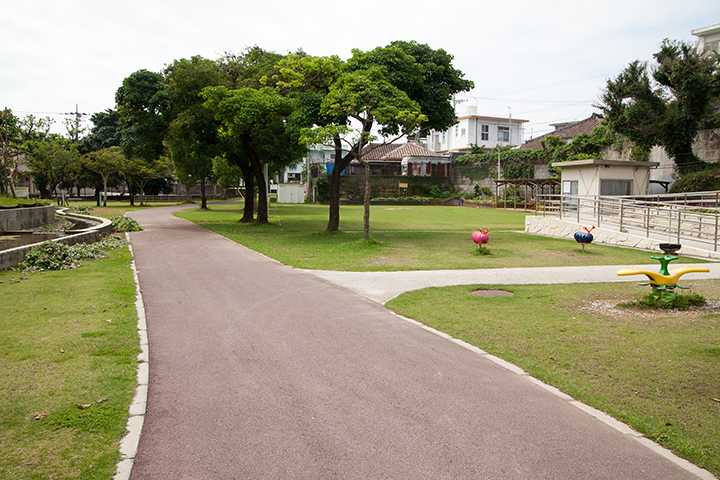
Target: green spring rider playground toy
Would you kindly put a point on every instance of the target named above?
(664, 282)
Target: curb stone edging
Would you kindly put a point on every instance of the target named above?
(129, 443)
(621, 427)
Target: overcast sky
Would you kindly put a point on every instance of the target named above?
(542, 61)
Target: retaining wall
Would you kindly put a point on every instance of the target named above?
(99, 227)
(554, 227)
(24, 218)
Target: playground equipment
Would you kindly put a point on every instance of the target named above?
(664, 282)
(584, 237)
(481, 237)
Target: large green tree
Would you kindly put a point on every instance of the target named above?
(253, 68)
(143, 104)
(192, 135)
(424, 74)
(105, 132)
(262, 121)
(665, 103)
(367, 98)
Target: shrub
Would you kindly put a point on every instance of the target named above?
(705, 180)
(122, 223)
(58, 256)
(680, 302)
(323, 189)
(81, 208)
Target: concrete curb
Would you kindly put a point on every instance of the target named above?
(602, 416)
(129, 444)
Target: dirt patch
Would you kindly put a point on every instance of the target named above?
(612, 307)
(492, 293)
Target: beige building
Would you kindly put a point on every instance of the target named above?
(605, 177)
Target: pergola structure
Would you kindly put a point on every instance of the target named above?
(552, 185)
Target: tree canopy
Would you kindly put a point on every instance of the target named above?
(665, 103)
(367, 98)
(261, 120)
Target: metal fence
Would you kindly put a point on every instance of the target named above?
(671, 217)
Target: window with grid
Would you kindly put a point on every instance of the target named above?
(484, 132)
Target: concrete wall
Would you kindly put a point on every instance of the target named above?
(25, 218)
(555, 227)
(101, 226)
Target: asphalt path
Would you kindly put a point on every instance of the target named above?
(262, 371)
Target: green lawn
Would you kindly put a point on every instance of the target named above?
(405, 238)
(67, 338)
(655, 370)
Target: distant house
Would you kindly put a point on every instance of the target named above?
(402, 159)
(708, 41)
(473, 129)
(566, 131)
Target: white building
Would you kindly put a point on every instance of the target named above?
(708, 39)
(473, 129)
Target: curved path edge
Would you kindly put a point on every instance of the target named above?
(129, 443)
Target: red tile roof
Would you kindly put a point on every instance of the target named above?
(395, 152)
(567, 132)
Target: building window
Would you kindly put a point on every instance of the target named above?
(504, 134)
(484, 132)
(457, 129)
(615, 187)
(462, 133)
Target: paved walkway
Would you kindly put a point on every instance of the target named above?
(262, 371)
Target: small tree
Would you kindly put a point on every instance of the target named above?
(53, 162)
(140, 172)
(105, 162)
(9, 150)
(366, 97)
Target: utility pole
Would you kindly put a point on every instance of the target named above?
(78, 117)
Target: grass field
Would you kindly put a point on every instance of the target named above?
(655, 370)
(69, 346)
(405, 238)
(73, 341)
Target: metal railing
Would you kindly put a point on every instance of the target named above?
(672, 218)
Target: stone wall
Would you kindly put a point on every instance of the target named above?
(352, 187)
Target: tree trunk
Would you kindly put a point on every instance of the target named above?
(334, 213)
(203, 198)
(249, 179)
(366, 203)
(262, 207)
(131, 193)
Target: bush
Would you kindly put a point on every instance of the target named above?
(323, 189)
(81, 208)
(122, 223)
(681, 302)
(58, 256)
(705, 180)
